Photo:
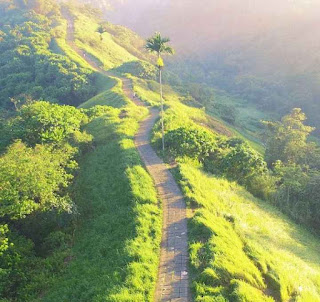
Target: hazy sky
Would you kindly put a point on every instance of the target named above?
(192, 23)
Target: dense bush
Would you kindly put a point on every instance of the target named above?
(191, 142)
(42, 122)
(36, 170)
(232, 158)
(236, 160)
(34, 179)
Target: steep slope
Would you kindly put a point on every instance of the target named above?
(240, 248)
(29, 68)
(116, 230)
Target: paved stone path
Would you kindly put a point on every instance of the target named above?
(173, 278)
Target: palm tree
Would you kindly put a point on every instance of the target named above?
(158, 44)
(101, 30)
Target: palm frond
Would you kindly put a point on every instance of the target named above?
(157, 44)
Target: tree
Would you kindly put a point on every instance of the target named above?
(158, 44)
(43, 122)
(101, 30)
(35, 179)
(287, 139)
(192, 142)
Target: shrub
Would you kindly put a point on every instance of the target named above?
(236, 160)
(191, 142)
(43, 122)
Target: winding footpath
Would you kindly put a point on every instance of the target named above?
(173, 278)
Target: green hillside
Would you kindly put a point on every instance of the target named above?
(107, 246)
(80, 216)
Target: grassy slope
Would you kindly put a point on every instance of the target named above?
(249, 259)
(148, 91)
(243, 249)
(116, 252)
(111, 94)
(107, 51)
(115, 255)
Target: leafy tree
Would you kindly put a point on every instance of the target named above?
(287, 139)
(43, 122)
(34, 179)
(194, 143)
(237, 160)
(158, 44)
(101, 30)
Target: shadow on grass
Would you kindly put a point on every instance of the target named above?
(109, 222)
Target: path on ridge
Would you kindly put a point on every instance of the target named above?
(173, 278)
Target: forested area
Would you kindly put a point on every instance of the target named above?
(94, 233)
(29, 69)
(288, 175)
(41, 145)
(273, 92)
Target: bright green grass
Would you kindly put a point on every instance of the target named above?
(112, 94)
(116, 252)
(60, 46)
(109, 53)
(248, 124)
(117, 243)
(179, 114)
(243, 249)
(146, 91)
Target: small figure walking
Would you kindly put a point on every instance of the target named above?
(134, 94)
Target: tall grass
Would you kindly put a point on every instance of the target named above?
(107, 50)
(116, 252)
(116, 249)
(111, 93)
(243, 249)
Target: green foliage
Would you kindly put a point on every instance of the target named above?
(236, 160)
(28, 68)
(158, 44)
(42, 122)
(298, 193)
(117, 243)
(287, 140)
(102, 28)
(112, 51)
(296, 166)
(34, 180)
(140, 69)
(112, 95)
(194, 143)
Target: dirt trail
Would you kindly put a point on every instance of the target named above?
(173, 278)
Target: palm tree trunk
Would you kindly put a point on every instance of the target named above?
(162, 112)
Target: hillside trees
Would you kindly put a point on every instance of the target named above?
(296, 164)
(287, 139)
(34, 179)
(36, 170)
(232, 158)
(29, 68)
(42, 122)
(292, 180)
